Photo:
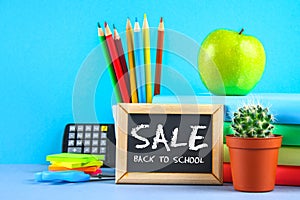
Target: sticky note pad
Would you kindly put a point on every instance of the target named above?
(72, 157)
(104, 128)
(84, 169)
(72, 165)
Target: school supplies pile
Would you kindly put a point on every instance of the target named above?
(69, 167)
(132, 80)
(87, 163)
(286, 109)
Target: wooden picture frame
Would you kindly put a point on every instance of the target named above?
(125, 112)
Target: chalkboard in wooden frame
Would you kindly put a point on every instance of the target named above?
(169, 144)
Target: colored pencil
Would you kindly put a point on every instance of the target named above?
(117, 64)
(139, 62)
(147, 59)
(109, 63)
(131, 62)
(119, 46)
(159, 52)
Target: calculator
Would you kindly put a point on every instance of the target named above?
(97, 139)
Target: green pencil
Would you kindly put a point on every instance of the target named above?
(110, 66)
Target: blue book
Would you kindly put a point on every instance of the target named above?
(284, 106)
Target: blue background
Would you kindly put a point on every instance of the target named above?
(44, 44)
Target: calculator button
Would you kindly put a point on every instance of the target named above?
(74, 149)
(80, 128)
(87, 142)
(95, 143)
(103, 128)
(102, 150)
(95, 135)
(96, 128)
(95, 150)
(87, 135)
(71, 143)
(87, 150)
(78, 142)
(88, 128)
(103, 135)
(79, 135)
(103, 142)
(71, 135)
(72, 128)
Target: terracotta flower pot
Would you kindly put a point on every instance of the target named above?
(253, 162)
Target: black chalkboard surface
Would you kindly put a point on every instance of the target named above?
(169, 143)
(168, 155)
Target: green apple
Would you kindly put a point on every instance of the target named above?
(231, 63)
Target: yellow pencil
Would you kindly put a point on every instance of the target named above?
(147, 59)
(131, 62)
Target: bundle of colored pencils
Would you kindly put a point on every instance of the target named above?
(131, 79)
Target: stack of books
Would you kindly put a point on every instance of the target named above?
(285, 108)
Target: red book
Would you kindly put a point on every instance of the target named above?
(285, 175)
(117, 65)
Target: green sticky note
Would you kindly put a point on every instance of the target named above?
(73, 157)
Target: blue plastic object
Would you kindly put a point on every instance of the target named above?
(61, 176)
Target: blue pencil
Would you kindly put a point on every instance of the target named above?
(139, 62)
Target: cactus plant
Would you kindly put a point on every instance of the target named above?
(252, 121)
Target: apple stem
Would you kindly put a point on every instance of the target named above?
(240, 33)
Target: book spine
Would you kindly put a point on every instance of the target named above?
(290, 133)
(288, 155)
(285, 175)
(284, 106)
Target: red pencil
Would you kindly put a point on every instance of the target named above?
(119, 46)
(117, 64)
(159, 52)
